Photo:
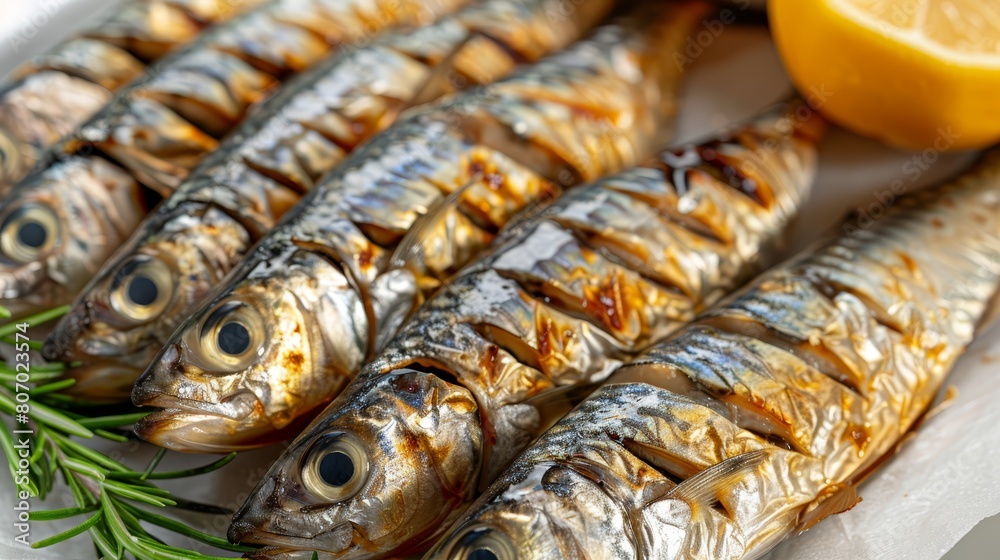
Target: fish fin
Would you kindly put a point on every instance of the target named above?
(832, 500)
(658, 458)
(704, 487)
(406, 253)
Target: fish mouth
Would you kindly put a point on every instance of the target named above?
(332, 544)
(195, 426)
(253, 524)
(105, 366)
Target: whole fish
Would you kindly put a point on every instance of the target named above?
(185, 247)
(331, 284)
(760, 419)
(493, 359)
(48, 96)
(64, 220)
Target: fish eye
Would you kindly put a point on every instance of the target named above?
(232, 335)
(336, 468)
(142, 289)
(233, 338)
(29, 233)
(483, 543)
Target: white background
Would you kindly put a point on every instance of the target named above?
(940, 485)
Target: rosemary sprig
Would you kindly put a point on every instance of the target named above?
(111, 495)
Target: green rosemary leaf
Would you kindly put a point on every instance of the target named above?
(165, 552)
(181, 528)
(195, 471)
(82, 467)
(133, 493)
(130, 520)
(58, 400)
(34, 320)
(43, 414)
(105, 544)
(8, 375)
(119, 532)
(33, 344)
(200, 507)
(112, 421)
(69, 446)
(9, 451)
(39, 449)
(154, 463)
(112, 436)
(81, 496)
(52, 387)
(52, 514)
(90, 522)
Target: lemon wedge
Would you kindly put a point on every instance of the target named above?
(918, 74)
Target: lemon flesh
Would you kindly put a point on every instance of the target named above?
(918, 74)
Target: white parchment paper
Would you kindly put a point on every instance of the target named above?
(917, 507)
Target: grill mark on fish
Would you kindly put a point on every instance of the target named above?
(514, 351)
(834, 435)
(820, 358)
(366, 257)
(160, 127)
(85, 71)
(607, 314)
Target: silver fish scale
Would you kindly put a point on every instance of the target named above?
(401, 174)
(277, 155)
(92, 206)
(161, 126)
(596, 277)
(826, 363)
(409, 208)
(213, 83)
(506, 345)
(290, 144)
(323, 105)
(52, 93)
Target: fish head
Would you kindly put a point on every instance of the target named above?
(508, 529)
(249, 366)
(548, 510)
(128, 311)
(57, 228)
(506, 537)
(382, 471)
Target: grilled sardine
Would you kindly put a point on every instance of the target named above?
(57, 225)
(759, 419)
(486, 365)
(48, 96)
(331, 284)
(185, 247)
